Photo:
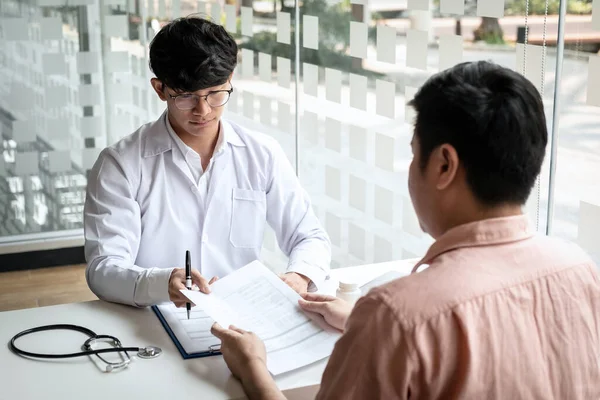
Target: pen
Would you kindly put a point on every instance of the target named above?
(188, 278)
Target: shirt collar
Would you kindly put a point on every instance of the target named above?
(480, 233)
(155, 142)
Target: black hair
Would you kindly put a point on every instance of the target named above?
(192, 53)
(494, 118)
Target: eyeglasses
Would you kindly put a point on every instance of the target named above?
(187, 101)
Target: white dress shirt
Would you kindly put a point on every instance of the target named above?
(194, 161)
(147, 204)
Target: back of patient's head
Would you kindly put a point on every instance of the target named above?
(192, 53)
(494, 118)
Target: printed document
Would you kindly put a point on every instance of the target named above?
(254, 299)
(193, 334)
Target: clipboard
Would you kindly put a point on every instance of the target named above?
(186, 356)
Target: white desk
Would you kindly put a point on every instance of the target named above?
(166, 377)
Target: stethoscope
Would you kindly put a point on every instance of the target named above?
(142, 352)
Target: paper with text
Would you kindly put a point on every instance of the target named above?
(254, 299)
(193, 334)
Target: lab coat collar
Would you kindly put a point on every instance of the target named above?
(231, 135)
(156, 140)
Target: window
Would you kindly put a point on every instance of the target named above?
(331, 88)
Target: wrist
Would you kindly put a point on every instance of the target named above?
(174, 272)
(257, 381)
(345, 321)
(254, 368)
(303, 277)
(159, 285)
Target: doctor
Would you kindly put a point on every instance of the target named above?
(194, 181)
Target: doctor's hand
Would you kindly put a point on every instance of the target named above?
(335, 311)
(177, 283)
(296, 281)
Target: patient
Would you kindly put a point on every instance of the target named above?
(501, 312)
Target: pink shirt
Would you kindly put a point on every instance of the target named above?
(500, 313)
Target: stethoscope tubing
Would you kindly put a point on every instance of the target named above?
(77, 328)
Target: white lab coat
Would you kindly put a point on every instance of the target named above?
(143, 211)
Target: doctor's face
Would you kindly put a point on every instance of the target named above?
(195, 113)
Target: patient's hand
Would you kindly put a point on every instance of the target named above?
(240, 349)
(335, 311)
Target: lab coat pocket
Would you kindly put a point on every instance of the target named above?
(248, 216)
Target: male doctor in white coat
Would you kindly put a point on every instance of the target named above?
(194, 181)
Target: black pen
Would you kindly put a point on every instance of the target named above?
(188, 278)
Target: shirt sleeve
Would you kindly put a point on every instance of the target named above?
(299, 233)
(371, 359)
(112, 230)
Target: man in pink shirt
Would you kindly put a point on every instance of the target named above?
(500, 312)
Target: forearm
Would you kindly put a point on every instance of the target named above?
(115, 280)
(259, 384)
(299, 233)
(311, 258)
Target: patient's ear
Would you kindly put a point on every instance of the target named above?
(445, 162)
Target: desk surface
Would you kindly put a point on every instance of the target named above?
(166, 377)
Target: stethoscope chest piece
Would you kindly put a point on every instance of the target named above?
(149, 352)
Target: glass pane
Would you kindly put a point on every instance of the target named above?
(353, 147)
(75, 79)
(69, 90)
(360, 65)
(49, 70)
(577, 185)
